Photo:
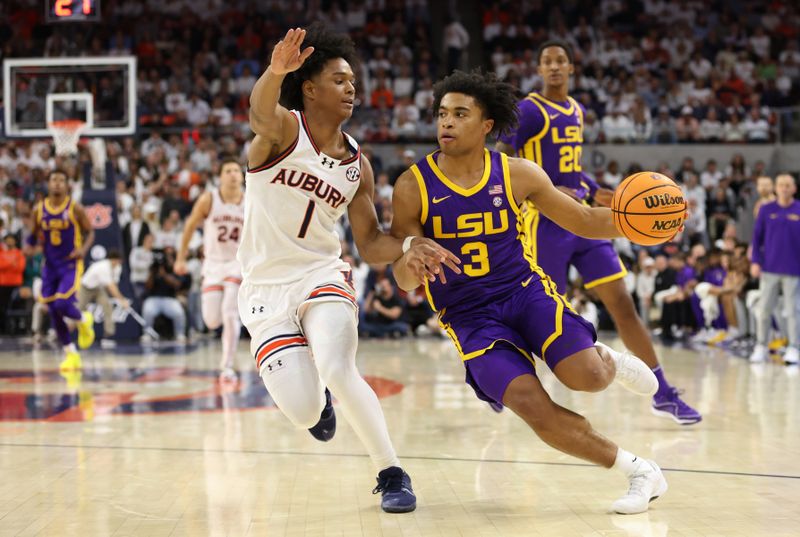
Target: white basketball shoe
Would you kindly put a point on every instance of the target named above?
(646, 484)
(632, 373)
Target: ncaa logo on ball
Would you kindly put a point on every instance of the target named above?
(667, 225)
(353, 174)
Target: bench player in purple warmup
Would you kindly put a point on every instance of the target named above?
(550, 134)
(502, 308)
(64, 230)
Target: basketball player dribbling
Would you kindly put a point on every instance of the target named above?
(550, 134)
(296, 299)
(222, 213)
(66, 234)
(502, 309)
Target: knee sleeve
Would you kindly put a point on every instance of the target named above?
(333, 335)
(292, 381)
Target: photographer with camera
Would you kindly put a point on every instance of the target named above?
(382, 312)
(161, 291)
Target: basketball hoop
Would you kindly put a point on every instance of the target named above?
(66, 134)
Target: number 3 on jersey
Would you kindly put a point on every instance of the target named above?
(306, 220)
(479, 260)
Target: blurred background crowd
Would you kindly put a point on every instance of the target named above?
(645, 71)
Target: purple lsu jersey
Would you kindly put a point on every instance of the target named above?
(481, 226)
(551, 135)
(60, 231)
(502, 309)
(60, 274)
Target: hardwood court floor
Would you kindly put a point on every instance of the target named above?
(150, 444)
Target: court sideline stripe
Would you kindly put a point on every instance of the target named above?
(364, 456)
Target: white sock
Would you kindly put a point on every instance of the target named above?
(626, 462)
(70, 348)
(330, 328)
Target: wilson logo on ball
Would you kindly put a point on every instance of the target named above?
(651, 202)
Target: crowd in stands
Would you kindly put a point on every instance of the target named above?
(645, 72)
(651, 71)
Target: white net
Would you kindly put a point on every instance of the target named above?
(66, 134)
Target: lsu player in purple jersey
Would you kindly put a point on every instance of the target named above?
(503, 309)
(550, 134)
(62, 227)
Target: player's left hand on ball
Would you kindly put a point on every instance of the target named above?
(427, 259)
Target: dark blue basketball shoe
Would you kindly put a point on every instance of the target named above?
(326, 426)
(397, 496)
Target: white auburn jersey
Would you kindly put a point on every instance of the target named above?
(222, 229)
(291, 207)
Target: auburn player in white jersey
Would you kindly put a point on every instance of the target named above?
(296, 299)
(222, 213)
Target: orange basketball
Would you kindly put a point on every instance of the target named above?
(648, 208)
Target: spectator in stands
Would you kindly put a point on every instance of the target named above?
(455, 41)
(720, 212)
(664, 128)
(617, 128)
(611, 176)
(99, 282)
(756, 127)
(711, 176)
(12, 269)
(711, 128)
(382, 313)
(687, 167)
(161, 296)
(135, 230)
(734, 130)
(140, 260)
(776, 243)
(687, 128)
(645, 287)
(418, 314)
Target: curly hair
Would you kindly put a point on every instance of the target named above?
(327, 46)
(497, 99)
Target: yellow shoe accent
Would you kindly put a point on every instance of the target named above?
(719, 338)
(777, 343)
(73, 378)
(71, 362)
(86, 331)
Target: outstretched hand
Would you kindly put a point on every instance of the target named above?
(286, 56)
(427, 259)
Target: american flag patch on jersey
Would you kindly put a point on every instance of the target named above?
(495, 190)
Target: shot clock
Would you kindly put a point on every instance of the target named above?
(72, 10)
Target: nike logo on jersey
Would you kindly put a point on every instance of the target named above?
(439, 200)
(526, 282)
(553, 116)
(311, 183)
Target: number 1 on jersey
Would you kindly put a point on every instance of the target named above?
(306, 220)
